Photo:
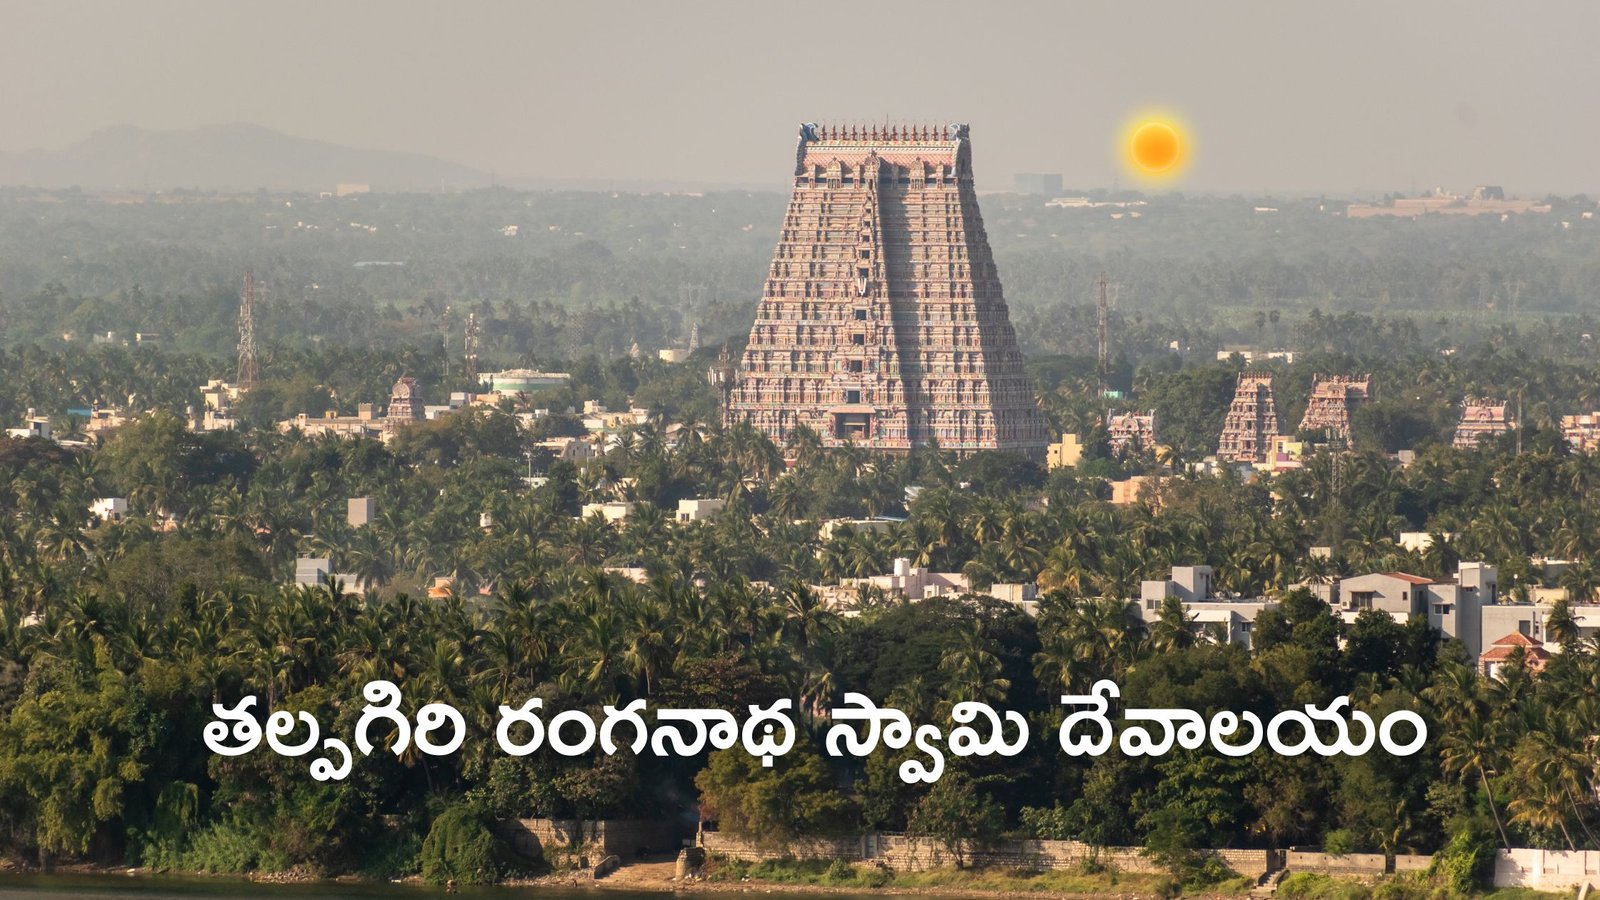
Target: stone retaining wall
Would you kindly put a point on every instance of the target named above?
(848, 849)
(624, 838)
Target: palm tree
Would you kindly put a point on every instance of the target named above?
(1473, 741)
(1173, 628)
(807, 619)
(1561, 626)
(972, 671)
(1581, 580)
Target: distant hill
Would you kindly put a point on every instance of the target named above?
(227, 157)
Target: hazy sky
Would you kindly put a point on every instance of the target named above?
(1279, 95)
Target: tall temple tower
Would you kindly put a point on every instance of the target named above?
(882, 323)
(1333, 401)
(405, 401)
(1482, 419)
(1252, 420)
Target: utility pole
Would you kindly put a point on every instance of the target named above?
(249, 371)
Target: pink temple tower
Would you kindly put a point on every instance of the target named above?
(882, 323)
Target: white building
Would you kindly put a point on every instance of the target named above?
(33, 425)
(360, 511)
(876, 525)
(109, 509)
(569, 448)
(699, 510)
(1418, 541)
(613, 512)
(314, 572)
(1192, 585)
(217, 398)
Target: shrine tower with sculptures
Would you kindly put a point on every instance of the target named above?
(882, 323)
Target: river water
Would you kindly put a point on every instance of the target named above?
(148, 887)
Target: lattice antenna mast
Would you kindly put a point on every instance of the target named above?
(472, 351)
(1104, 344)
(249, 371)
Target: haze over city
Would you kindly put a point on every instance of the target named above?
(1363, 98)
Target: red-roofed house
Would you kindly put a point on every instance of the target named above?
(1501, 652)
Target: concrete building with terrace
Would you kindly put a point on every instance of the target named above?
(1582, 431)
(1453, 607)
(913, 583)
(33, 426)
(700, 509)
(1233, 618)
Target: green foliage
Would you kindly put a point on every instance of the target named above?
(787, 870)
(1311, 886)
(228, 847)
(1047, 823)
(115, 639)
(69, 752)
(1466, 862)
(958, 815)
(459, 848)
(1339, 842)
(794, 797)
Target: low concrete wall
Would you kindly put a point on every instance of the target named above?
(1349, 865)
(1405, 862)
(1546, 869)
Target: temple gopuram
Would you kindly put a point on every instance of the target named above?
(882, 323)
(1333, 402)
(1481, 419)
(1252, 420)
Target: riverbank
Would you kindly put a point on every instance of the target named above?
(840, 878)
(656, 880)
(1004, 884)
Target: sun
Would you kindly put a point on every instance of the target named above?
(1156, 146)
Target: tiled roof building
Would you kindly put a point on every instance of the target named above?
(1501, 652)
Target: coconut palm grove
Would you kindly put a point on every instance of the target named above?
(478, 582)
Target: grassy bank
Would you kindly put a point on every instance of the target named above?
(841, 874)
(1084, 883)
(1307, 886)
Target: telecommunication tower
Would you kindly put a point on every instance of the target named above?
(472, 351)
(248, 369)
(1104, 345)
